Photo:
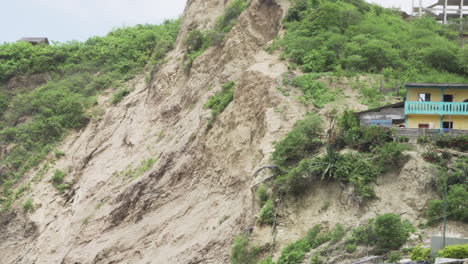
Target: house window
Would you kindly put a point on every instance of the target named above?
(447, 125)
(423, 125)
(448, 98)
(424, 97)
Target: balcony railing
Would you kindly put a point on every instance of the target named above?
(436, 108)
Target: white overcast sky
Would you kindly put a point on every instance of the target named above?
(62, 20)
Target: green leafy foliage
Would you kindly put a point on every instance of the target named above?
(242, 253)
(314, 91)
(458, 142)
(225, 22)
(267, 214)
(454, 251)
(393, 257)
(34, 121)
(262, 195)
(302, 142)
(218, 102)
(28, 205)
(120, 95)
(457, 204)
(386, 232)
(354, 36)
(418, 253)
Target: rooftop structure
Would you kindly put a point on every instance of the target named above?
(442, 10)
(35, 41)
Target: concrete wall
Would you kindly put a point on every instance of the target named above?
(437, 243)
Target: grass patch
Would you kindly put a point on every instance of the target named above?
(218, 102)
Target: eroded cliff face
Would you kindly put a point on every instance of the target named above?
(197, 195)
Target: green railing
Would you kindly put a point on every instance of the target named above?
(436, 108)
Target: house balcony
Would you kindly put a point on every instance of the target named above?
(436, 108)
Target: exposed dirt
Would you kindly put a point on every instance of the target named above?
(196, 197)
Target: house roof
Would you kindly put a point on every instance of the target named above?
(436, 85)
(395, 105)
(35, 40)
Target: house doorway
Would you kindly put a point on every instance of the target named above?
(423, 126)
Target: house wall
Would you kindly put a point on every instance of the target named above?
(459, 121)
(413, 94)
(415, 120)
(459, 95)
(384, 114)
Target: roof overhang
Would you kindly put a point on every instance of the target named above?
(437, 85)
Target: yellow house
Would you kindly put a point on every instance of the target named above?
(436, 105)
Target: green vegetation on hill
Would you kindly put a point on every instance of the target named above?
(354, 36)
(31, 122)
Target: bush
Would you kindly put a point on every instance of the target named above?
(316, 259)
(418, 253)
(393, 257)
(386, 232)
(391, 154)
(431, 156)
(300, 143)
(120, 95)
(218, 102)
(58, 176)
(262, 195)
(391, 231)
(58, 154)
(458, 142)
(314, 91)
(267, 214)
(403, 139)
(423, 140)
(457, 202)
(294, 253)
(225, 22)
(454, 251)
(367, 138)
(28, 205)
(350, 247)
(241, 253)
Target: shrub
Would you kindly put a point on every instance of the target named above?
(312, 233)
(294, 253)
(350, 247)
(458, 142)
(454, 251)
(267, 260)
(300, 143)
(28, 205)
(386, 232)
(267, 214)
(262, 195)
(225, 22)
(58, 176)
(58, 154)
(423, 140)
(391, 231)
(241, 253)
(316, 259)
(218, 102)
(431, 156)
(337, 233)
(393, 257)
(391, 154)
(120, 95)
(367, 138)
(315, 91)
(457, 202)
(403, 139)
(418, 253)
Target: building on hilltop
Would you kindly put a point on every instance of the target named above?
(38, 41)
(442, 10)
(436, 106)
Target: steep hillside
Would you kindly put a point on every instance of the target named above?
(162, 169)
